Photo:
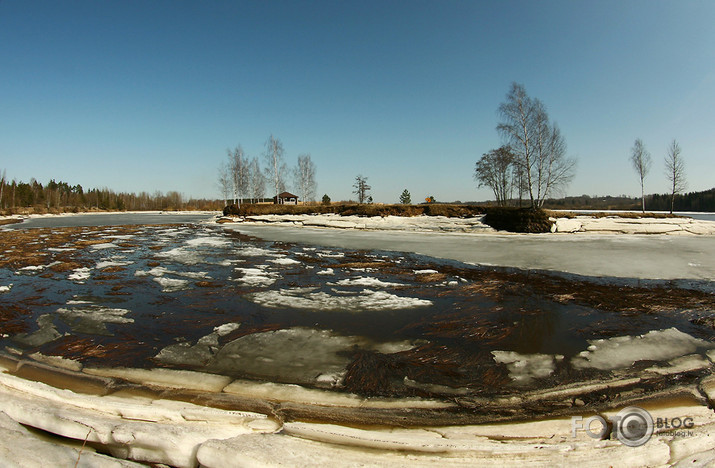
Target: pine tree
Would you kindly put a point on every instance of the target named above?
(405, 198)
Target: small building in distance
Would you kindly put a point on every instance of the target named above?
(285, 198)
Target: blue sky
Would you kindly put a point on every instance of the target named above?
(145, 96)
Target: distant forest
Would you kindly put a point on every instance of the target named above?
(692, 201)
(55, 197)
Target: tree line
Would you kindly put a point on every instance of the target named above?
(242, 179)
(33, 196)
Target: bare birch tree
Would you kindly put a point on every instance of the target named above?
(257, 184)
(304, 176)
(275, 165)
(539, 148)
(675, 171)
(239, 173)
(640, 158)
(224, 181)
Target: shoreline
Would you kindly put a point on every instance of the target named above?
(164, 420)
(582, 224)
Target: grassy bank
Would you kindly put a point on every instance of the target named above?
(510, 219)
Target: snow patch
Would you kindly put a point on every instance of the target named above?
(425, 272)
(327, 271)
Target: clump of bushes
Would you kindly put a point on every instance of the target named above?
(518, 219)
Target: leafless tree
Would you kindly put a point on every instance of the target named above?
(257, 181)
(640, 158)
(238, 163)
(675, 171)
(275, 165)
(224, 181)
(495, 170)
(304, 176)
(362, 189)
(539, 148)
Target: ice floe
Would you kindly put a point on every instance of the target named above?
(524, 368)
(367, 282)
(208, 241)
(284, 261)
(256, 276)
(299, 355)
(92, 319)
(226, 328)
(111, 263)
(253, 252)
(624, 351)
(80, 275)
(366, 299)
(198, 354)
(4, 289)
(171, 284)
(181, 255)
(46, 333)
(105, 245)
(327, 271)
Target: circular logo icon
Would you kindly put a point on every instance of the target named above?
(633, 426)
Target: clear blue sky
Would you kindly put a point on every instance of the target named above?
(137, 95)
